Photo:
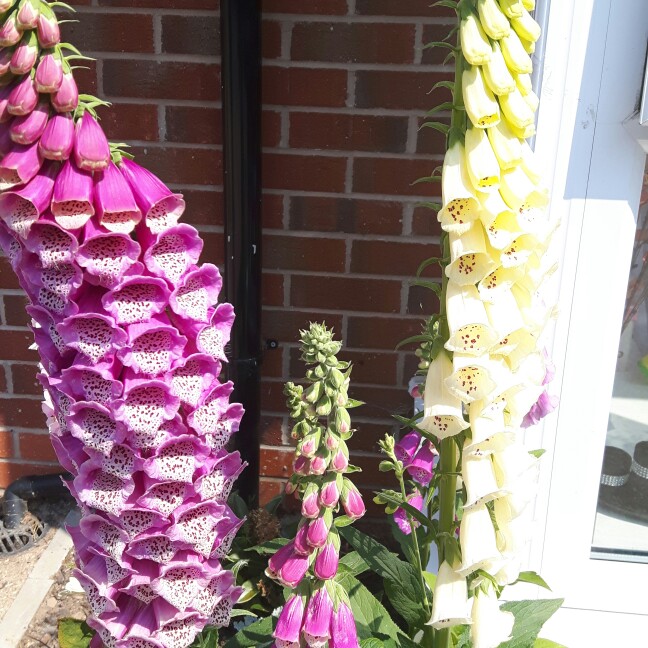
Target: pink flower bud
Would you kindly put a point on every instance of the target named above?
(402, 519)
(57, 138)
(293, 570)
(66, 98)
(6, 5)
(406, 448)
(310, 503)
(28, 128)
(5, 60)
(326, 563)
(340, 461)
(25, 55)
(9, 32)
(318, 618)
(301, 465)
(330, 494)
(352, 500)
(49, 33)
(301, 540)
(19, 166)
(279, 558)
(49, 74)
(332, 441)
(290, 620)
(114, 200)
(28, 12)
(318, 465)
(91, 149)
(343, 628)
(318, 531)
(290, 488)
(23, 97)
(421, 467)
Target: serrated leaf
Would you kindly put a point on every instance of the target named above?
(74, 633)
(257, 635)
(353, 563)
(533, 578)
(401, 580)
(530, 616)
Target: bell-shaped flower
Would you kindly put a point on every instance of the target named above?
(352, 500)
(526, 27)
(213, 338)
(101, 490)
(29, 128)
(543, 407)
(477, 540)
(532, 100)
(288, 628)
(330, 492)
(516, 110)
(506, 145)
(21, 208)
(524, 83)
(475, 45)
(66, 98)
(116, 206)
(478, 476)
(287, 566)
(443, 415)
(25, 54)
(496, 73)
(63, 280)
(161, 208)
(174, 252)
(488, 429)
(473, 378)
(72, 201)
(49, 74)
(328, 558)
(406, 448)
(343, 628)
(91, 150)
(470, 259)
(513, 464)
(9, 33)
(450, 600)
(460, 205)
(47, 27)
(499, 220)
(192, 376)
(530, 164)
(402, 517)
(94, 383)
(93, 334)
(498, 280)
(198, 291)
(24, 97)
(491, 626)
(136, 299)
(218, 482)
(512, 8)
(516, 58)
(317, 622)
(481, 106)
(152, 348)
(493, 20)
(481, 163)
(57, 139)
(513, 535)
(421, 468)
(519, 192)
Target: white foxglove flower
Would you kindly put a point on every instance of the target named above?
(470, 329)
(460, 205)
(473, 378)
(478, 477)
(450, 601)
(512, 463)
(524, 83)
(538, 270)
(513, 535)
(442, 414)
(532, 100)
(477, 540)
(520, 193)
(529, 162)
(493, 20)
(474, 42)
(482, 165)
(523, 133)
(535, 312)
(496, 73)
(499, 220)
(516, 110)
(515, 55)
(506, 145)
(491, 626)
(481, 106)
(526, 27)
(512, 8)
(488, 429)
(498, 280)
(509, 571)
(470, 259)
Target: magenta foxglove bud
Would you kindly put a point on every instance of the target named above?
(19, 166)
(49, 74)
(343, 628)
(301, 540)
(72, 201)
(293, 569)
(421, 467)
(326, 563)
(279, 558)
(310, 443)
(318, 530)
(406, 448)
(317, 621)
(28, 12)
(319, 464)
(161, 208)
(9, 32)
(5, 115)
(66, 98)
(91, 149)
(49, 33)
(5, 5)
(340, 460)
(330, 493)
(116, 206)
(310, 503)
(352, 500)
(5, 60)
(290, 620)
(25, 54)
(29, 128)
(23, 97)
(57, 138)
(401, 517)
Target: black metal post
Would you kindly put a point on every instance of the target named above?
(241, 83)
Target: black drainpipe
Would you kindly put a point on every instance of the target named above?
(241, 96)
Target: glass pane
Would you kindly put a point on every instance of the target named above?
(621, 527)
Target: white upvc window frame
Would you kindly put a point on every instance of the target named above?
(592, 81)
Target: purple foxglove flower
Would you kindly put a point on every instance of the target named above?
(193, 376)
(19, 166)
(401, 517)
(29, 128)
(318, 530)
(114, 200)
(343, 628)
(66, 98)
(25, 54)
(28, 12)
(317, 621)
(161, 208)
(279, 558)
(47, 27)
(101, 490)
(57, 139)
(421, 467)
(326, 563)
(310, 502)
(197, 291)
(176, 459)
(330, 493)
(91, 149)
(21, 208)
(93, 383)
(217, 483)
(173, 253)
(49, 74)
(406, 448)
(9, 32)
(63, 280)
(293, 570)
(72, 203)
(290, 620)
(94, 335)
(213, 338)
(352, 500)
(23, 97)
(5, 60)
(543, 407)
(136, 299)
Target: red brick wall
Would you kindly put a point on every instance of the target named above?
(345, 86)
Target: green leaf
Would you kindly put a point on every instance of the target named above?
(353, 563)
(423, 337)
(242, 613)
(449, 85)
(429, 262)
(435, 287)
(547, 643)
(446, 105)
(431, 178)
(342, 521)
(270, 547)
(352, 402)
(430, 579)
(208, 638)
(445, 3)
(257, 635)
(371, 643)
(537, 453)
(438, 126)
(533, 578)
(238, 505)
(74, 633)
(402, 584)
(431, 205)
(439, 44)
(530, 616)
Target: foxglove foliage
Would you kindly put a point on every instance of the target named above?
(318, 613)
(131, 341)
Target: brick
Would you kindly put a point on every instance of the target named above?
(36, 447)
(3, 378)
(15, 346)
(410, 365)
(191, 35)
(276, 462)
(162, 4)
(214, 249)
(272, 289)
(182, 165)
(21, 412)
(8, 278)
(387, 257)
(312, 254)
(156, 79)
(303, 172)
(284, 325)
(399, 89)
(436, 33)
(203, 207)
(318, 214)
(272, 397)
(270, 39)
(110, 32)
(393, 176)
(24, 379)
(272, 211)
(371, 477)
(86, 77)
(352, 42)
(270, 128)
(12, 470)
(285, 86)
(271, 430)
(368, 434)
(269, 489)
(130, 122)
(425, 223)
(194, 125)
(410, 8)
(327, 7)
(429, 140)
(15, 313)
(348, 132)
(345, 294)
(6, 444)
(380, 332)
(422, 301)
(272, 365)
(382, 402)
